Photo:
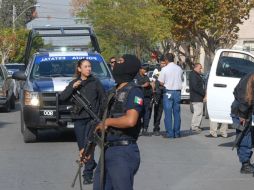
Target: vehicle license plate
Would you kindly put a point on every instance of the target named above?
(70, 125)
(47, 112)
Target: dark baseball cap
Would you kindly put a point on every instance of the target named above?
(145, 66)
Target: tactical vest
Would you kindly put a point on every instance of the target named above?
(118, 109)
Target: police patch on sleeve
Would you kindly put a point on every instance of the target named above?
(138, 100)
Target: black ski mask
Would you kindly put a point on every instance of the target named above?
(126, 71)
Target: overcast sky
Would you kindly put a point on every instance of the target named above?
(53, 13)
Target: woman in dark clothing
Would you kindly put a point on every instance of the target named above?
(241, 111)
(92, 89)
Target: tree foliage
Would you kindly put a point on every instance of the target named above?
(212, 24)
(7, 44)
(12, 45)
(122, 26)
(6, 12)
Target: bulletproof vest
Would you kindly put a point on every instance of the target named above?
(118, 109)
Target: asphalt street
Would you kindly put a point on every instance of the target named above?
(192, 162)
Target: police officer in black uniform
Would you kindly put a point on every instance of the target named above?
(143, 81)
(122, 157)
(158, 98)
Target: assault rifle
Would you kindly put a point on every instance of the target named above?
(93, 137)
(243, 130)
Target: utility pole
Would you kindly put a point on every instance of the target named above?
(15, 16)
(14, 12)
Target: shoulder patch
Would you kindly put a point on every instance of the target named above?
(138, 100)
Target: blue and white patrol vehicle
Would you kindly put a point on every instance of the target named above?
(46, 75)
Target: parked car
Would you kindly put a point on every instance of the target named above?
(7, 99)
(185, 92)
(227, 68)
(11, 68)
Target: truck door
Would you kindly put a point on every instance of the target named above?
(227, 69)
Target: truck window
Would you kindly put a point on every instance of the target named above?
(234, 65)
(64, 67)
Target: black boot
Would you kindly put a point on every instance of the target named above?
(247, 168)
(145, 132)
(156, 133)
(88, 178)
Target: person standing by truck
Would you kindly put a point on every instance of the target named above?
(93, 91)
(197, 96)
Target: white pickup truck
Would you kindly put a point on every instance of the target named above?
(227, 69)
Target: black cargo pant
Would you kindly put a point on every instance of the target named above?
(82, 128)
(146, 112)
(158, 110)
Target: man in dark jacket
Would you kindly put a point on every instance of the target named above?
(197, 97)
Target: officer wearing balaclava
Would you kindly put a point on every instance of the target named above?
(122, 157)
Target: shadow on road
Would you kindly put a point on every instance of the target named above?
(227, 144)
(51, 135)
(184, 133)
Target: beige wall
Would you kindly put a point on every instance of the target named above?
(246, 35)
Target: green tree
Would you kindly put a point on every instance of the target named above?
(12, 45)
(6, 12)
(134, 26)
(212, 24)
(7, 44)
(21, 40)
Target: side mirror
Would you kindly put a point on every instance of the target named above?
(19, 75)
(9, 75)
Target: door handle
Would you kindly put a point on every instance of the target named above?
(220, 85)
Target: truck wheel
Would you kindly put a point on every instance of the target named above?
(191, 107)
(30, 135)
(7, 107)
(12, 102)
(21, 122)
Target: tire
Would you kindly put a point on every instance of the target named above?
(29, 135)
(21, 122)
(7, 107)
(191, 107)
(12, 101)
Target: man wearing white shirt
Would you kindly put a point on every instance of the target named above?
(171, 78)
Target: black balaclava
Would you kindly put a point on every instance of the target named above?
(126, 71)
